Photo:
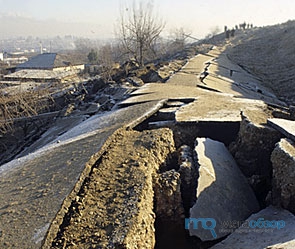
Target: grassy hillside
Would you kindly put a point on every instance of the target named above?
(269, 53)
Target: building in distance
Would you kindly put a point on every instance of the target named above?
(47, 67)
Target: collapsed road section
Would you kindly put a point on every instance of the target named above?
(140, 191)
(104, 185)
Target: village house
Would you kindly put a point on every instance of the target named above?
(47, 67)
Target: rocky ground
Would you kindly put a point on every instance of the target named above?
(205, 139)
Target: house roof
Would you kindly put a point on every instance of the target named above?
(47, 61)
(39, 74)
(41, 61)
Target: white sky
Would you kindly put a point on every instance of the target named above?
(198, 16)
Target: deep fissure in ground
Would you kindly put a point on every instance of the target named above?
(175, 183)
(170, 231)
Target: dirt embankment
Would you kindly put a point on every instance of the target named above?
(114, 208)
(269, 53)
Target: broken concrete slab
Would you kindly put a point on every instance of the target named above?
(167, 113)
(189, 74)
(59, 127)
(224, 108)
(279, 234)
(284, 126)
(33, 189)
(224, 75)
(228, 77)
(175, 103)
(283, 162)
(159, 91)
(161, 124)
(180, 85)
(223, 193)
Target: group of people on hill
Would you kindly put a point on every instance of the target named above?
(231, 32)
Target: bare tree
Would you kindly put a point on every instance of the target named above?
(139, 29)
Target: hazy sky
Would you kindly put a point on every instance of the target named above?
(98, 17)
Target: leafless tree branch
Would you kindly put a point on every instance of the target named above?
(139, 28)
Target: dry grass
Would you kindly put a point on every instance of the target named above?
(269, 53)
(21, 105)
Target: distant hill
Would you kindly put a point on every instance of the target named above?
(16, 26)
(269, 53)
